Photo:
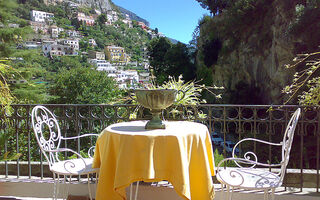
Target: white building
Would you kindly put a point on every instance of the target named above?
(128, 22)
(103, 65)
(57, 50)
(128, 78)
(55, 31)
(161, 35)
(33, 45)
(92, 42)
(112, 16)
(40, 16)
(88, 20)
(144, 77)
(73, 33)
(100, 64)
(74, 43)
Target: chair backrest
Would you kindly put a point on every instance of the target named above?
(287, 141)
(47, 132)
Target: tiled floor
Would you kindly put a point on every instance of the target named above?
(43, 191)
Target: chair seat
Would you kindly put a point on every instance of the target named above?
(248, 178)
(74, 167)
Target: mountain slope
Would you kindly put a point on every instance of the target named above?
(133, 16)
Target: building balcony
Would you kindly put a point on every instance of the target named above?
(30, 178)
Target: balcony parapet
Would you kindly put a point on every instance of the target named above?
(230, 122)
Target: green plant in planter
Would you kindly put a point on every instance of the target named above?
(188, 95)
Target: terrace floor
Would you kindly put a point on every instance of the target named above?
(28, 189)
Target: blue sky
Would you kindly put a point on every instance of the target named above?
(177, 19)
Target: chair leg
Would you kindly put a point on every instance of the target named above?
(54, 197)
(96, 182)
(223, 193)
(272, 193)
(66, 191)
(231, 193)
(88, 175)
(58, 185)
(228, 192)
(131, 191)
(136, 195)
(265, 195)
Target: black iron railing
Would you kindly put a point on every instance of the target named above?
(228, 122)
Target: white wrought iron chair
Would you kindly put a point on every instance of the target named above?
(48, 134)
(246, 176)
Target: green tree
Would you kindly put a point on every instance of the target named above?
(67, 62)
(158, 49)
(179, 62)
(10, 36)
(215, 6)
(306, 26)
(82, 85)
(102, 19)
(169, 59)
(32, 77)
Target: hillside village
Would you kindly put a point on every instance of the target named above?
(55, 41)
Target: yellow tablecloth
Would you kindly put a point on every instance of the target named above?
(181, 154)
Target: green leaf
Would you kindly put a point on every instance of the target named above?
(5, 156)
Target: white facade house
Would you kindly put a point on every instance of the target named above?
(92, 42)
(128, 22)
(161, 35)
(129, 78)
(57, 50)
(109, 18)
(112, 16)
(40, 16)
(74, 43)
(103, 65)
(55, 31)
(144, 77)
(32, 45)
(88, 20)
(73, 33)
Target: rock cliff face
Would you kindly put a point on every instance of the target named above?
(253, 70)
(102, 5)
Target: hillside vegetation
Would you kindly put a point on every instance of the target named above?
(245, 44)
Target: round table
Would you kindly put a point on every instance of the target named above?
(181, 154)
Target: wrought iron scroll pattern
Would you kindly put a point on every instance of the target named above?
(232, 122)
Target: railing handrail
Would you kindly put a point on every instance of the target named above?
(230, 121)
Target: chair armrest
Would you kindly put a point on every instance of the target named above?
(247, 162)
(91, 149)
(80, 136)
(69, 164)
(251, 156)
